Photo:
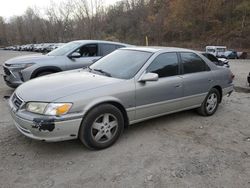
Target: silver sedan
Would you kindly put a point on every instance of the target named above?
(127, 86)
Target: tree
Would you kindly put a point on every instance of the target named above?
(185, 23)
(3, 39)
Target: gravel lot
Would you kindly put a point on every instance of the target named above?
(179, 150)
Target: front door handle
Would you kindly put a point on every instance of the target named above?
(177, 86)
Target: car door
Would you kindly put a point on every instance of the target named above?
(84, 56)
(197, 79)
(159, 97)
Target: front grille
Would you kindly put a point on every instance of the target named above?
(17, 101)
(6, 71)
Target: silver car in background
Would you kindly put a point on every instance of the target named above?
(127, 86)
(73, 55)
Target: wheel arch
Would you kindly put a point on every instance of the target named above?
(113, 102)
(220, 91)
(43, 69)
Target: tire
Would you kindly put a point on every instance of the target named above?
(44, 73)
(101, 127)
(210, 104)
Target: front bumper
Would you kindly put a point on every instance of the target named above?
(53, 131)
(11, 78)
(10, 82)
(41, 127)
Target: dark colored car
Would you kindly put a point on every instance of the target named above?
(217, 61)
(231, 54)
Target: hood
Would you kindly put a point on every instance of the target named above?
(55, 86)
(28, 59)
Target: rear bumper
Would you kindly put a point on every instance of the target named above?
(228, 90)
(52, 130)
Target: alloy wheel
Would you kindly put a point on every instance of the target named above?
(211, 103)
(104, 128)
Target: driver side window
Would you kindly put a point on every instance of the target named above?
(165, 65)
(89, 50)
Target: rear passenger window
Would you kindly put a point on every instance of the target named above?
(165, 65)
(193, 63)
(107, 48)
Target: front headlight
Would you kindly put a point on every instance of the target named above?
(54, 109)
(57, 108)
(21, 66)
(36, 107)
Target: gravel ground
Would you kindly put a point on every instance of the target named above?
(179, 150)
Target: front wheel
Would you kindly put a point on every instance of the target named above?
(101, 127)
(210, 104)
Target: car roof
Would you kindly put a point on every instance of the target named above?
(101, 41)
(154, 49)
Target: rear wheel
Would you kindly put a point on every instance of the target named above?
(210, 104)
(101, 127)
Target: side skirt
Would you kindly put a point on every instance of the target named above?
(158, 115)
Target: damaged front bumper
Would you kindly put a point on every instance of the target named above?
(47, 129)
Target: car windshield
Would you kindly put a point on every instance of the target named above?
(221, 49)
(210, 50)
(123, 64)
(64, 49)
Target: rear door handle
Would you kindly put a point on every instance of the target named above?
(177, 86)
(210, 80)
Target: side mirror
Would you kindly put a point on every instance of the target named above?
(75, 55)
(149, 77)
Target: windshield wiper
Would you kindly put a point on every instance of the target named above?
(88, 67)
(103, 72)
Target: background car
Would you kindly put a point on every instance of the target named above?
(73, 55)
(54, 46)
(218, 61)
(217, 51)
(38, 47)
(125, 87)
(242, 55)
(231, 54)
